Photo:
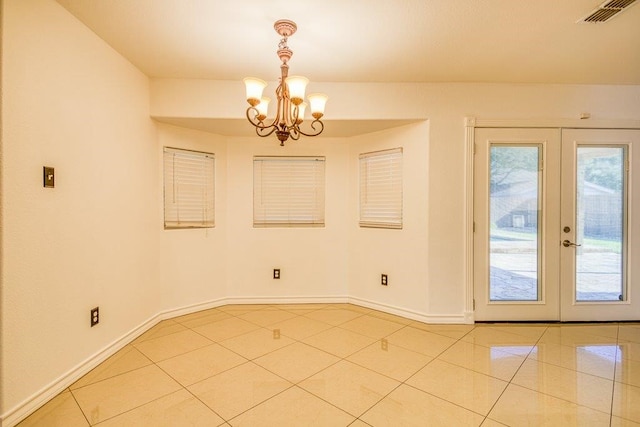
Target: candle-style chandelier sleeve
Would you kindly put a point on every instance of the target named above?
(290, 92)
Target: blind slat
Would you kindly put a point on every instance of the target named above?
(189, 188)
(288, 191)
(381, 189)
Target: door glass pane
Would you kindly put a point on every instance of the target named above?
(514, 236)
(600, 221)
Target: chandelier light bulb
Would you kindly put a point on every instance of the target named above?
(254, 88)
(317, 102)
(262, 108)
(301, 109)
(297, 86)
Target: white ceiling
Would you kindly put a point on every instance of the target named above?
(535, 41)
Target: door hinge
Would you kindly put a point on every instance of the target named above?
(474, 226)
(474, 148)
(474, 304)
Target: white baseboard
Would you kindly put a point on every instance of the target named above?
(411, 314)
(335, 299)
(35, 401)
(188, 309)
(48, 392)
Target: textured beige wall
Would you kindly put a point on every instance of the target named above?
(73, 103)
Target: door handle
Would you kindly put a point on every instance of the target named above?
(567, 243)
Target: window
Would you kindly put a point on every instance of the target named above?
(381, 189)
(188, 189)
(288, 191)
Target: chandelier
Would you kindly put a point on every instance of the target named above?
(290, 97)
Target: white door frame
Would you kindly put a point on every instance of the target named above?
(471, 123)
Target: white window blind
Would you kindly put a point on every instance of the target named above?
(381, 189)
(188, 189)
(288, 191)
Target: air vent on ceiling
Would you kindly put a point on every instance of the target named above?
(606, 11)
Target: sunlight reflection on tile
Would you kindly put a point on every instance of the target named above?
(471, 390)
(629, 350)
(626, 400)
(490, 361)
(579, 335)
(577, 387)
(505, 341)
(628, 372)
(421, 341)
(594, 360)
(629, 332)
(520, 406)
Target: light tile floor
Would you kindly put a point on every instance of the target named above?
(341, 364)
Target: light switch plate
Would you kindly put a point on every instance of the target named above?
(48, 177)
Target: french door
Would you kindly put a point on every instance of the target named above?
(555, 217)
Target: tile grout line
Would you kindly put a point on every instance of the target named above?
(166, 373)
(79, 407)
(404, 382)
(515, 373)
(615, 368)
(151, 362)
(340, 359)
(292, 384)
(559, 366)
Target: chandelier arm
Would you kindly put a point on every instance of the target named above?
(280, 95)
(315, 131)
(257, 123)
(260, 131)
(294, 114)
(294, 132)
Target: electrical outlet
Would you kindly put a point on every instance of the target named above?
(384, 280)
(95, 316)
(276, 273)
